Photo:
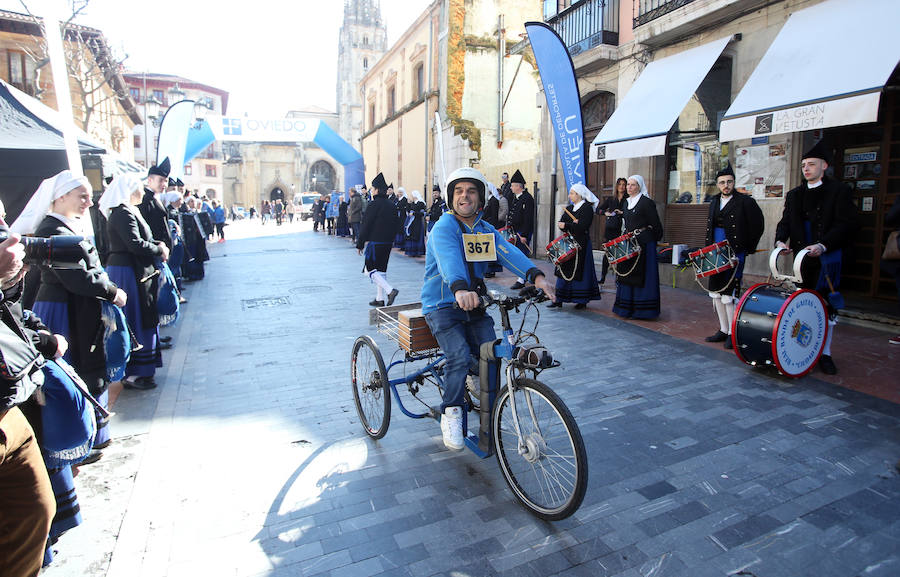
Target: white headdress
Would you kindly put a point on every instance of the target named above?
(585, 193)
(417, 196)
(50, 189)
(119, 192)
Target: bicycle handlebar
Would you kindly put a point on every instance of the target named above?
(529, 293)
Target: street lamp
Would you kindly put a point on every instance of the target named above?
(176, 94)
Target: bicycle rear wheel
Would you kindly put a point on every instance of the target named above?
(370, 387)
(546, 467)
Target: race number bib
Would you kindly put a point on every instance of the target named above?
(479, 247)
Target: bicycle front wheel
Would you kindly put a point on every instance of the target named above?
(546, 466)
(370, 387)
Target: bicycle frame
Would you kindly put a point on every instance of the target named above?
(503, 348)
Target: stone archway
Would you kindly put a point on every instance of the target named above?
(276, 193)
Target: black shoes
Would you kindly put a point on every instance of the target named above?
(165, 346)
(391, 296)
(489, 275)
(376, 303)
(716, 338)
(517, 286)
(554, 305)
(727, 344)
(140, 384)
(827, 365)
(580, 306)
(92, 457)
(165, 339)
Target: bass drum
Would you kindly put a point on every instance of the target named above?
(773, 326)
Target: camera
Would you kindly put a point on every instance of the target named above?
(60, 251)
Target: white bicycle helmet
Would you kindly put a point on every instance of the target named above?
(465, 174)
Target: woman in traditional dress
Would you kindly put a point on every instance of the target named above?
(195, 252)
(613, 207)
(402, 206)
(637, 292)
(132, 266)
(68, 300)
(343, 226)
(576, 279)
(415, 229)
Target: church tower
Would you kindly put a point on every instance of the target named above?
(363, 40)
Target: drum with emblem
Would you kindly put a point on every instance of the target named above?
(622, 248)
(781, 328)
(509, 234)
(562, 248)
(713, 259)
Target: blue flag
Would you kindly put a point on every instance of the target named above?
(563, 101)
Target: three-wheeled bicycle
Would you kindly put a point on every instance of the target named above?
(522, 421)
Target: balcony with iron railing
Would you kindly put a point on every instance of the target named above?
(587, 24)
(660, 22)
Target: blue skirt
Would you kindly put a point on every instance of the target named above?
(176, 259)
(143, 363)
(584, 290)
(641, 302)
(68, 511)
(414, 245)
(56, 316)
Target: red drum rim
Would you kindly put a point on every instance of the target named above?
(794, 295)
(618, 239)
(773, 337)
(710, 248)
(556, 240)
(722, 268)
(567, 256)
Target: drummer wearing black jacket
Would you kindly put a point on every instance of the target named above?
(376, 235)
(151, 208)
(819, 215)
(738, 219)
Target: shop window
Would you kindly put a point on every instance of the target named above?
(695, 154)
(211, 170)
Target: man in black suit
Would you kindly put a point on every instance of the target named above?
(521, 218)
(376, 236)
(738, 219)
(151, 208)
(819, 215)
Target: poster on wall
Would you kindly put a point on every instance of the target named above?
(760, 170)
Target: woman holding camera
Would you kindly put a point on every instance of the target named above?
(132, 266)
(68, 299)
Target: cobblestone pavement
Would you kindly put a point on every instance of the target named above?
(249, 459)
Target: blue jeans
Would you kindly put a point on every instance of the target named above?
(460, 334)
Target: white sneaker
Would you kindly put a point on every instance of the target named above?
(451, 427)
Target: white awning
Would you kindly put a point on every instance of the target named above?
(826, 68)
(642, 120)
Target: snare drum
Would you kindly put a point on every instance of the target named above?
(773, 326)
(509, 234)
(713, 259)
(622, 248)
(562, 248)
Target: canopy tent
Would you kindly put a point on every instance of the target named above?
(641, 123)
(801, 84)
(31, 147)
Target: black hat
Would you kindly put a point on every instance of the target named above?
(379, 184)
(517, 177)
(178, 182)
(435, 188)
(819, 150)
(161, 169)
(171, 182)
(108, 179)
(727, 171)
(391, 185)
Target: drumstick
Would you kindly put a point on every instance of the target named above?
(572, 216)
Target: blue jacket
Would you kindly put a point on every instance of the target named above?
(445, 265)
(219, 215)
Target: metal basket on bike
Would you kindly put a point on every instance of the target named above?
(405, 324)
